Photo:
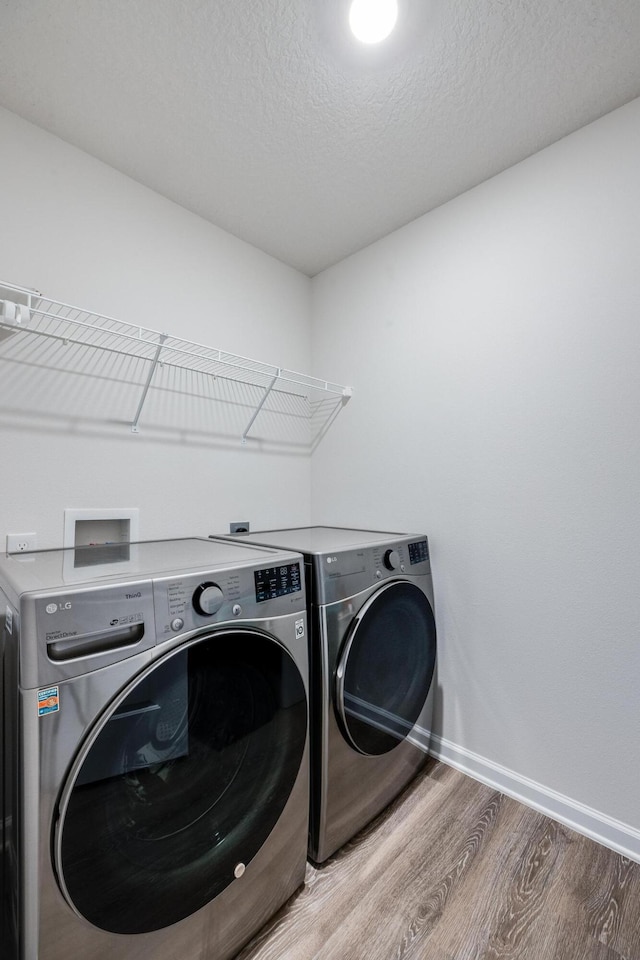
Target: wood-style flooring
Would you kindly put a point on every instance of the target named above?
(454, 870)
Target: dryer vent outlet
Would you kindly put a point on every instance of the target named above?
(240, 526)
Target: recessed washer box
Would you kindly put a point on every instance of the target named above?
(100, 537)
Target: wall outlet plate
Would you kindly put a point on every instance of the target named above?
(21, 542)
(240, 526)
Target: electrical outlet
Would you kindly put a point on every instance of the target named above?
(240, 526)
(21, 542)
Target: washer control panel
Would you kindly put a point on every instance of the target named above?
(419, 552)
(193, 601)
(207, 599)
(391, 559)
(272, 582)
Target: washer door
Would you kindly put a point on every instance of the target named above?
(180, 784)
(385, 668)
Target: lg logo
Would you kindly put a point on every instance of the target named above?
(53, 607)
(332, 559)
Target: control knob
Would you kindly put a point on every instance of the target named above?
(392, 559)
(207, 599)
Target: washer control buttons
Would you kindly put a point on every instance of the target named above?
(207, 599)
(392, 559)
(177, 624)
(236, 610)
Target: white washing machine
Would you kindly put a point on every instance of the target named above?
(372, 658)
(155, 750)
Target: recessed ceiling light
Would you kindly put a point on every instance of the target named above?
(372, 20)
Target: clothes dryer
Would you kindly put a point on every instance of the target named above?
(372, 655)
(155, 748)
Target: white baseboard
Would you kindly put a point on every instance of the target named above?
(614, 834)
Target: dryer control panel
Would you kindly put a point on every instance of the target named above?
(345, 573)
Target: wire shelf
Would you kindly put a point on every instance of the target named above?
(25, 312)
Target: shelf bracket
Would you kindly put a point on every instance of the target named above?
(154, 364)
(259, 407)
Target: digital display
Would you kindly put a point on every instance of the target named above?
(275, 582)
(418, 552)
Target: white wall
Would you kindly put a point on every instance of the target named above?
(82, 233)
(494, 350)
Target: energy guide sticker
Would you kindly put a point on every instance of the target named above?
(48, 701)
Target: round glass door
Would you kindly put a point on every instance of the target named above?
(182, 783)
(385, 668)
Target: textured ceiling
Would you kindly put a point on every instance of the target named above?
(264, 118)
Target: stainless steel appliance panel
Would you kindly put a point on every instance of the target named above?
(372, 661)
(111, 767)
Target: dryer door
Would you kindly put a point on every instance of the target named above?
(385, 668)
(179, 785)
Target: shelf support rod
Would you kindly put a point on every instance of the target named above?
(259, 407)
(154, 364)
